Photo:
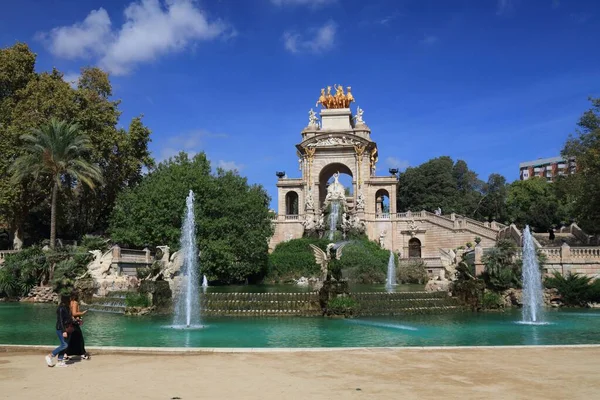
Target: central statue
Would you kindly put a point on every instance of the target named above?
(336, 190)
(338, 100)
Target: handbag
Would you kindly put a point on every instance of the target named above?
(70, 328)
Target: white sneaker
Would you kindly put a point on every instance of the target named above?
(62, 363)
(49, 361)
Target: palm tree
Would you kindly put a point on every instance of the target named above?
(56, 150)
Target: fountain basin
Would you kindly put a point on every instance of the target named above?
(445, 329)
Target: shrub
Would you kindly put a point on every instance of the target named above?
(92, 242)
(412, 271)
(364, 261)
(342, 305)
(23, 270)
(293, 259)
(137, 300)
(492, 300)
(575, 289)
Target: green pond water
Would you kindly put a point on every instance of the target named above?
(34, 324)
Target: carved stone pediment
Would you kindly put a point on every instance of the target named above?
(412, 228)
(333, 140)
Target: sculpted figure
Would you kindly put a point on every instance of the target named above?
(309, 222)
(330, 99)
(309, 203)
(360, 201)
(358, 118)
(312, 119)
(323, 258)
(349, 97)
(322, 99)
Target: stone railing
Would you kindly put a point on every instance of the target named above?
(382, 216)
(286, 218)
(4, 253)
(585, 252)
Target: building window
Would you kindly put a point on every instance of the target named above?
(414, 248)
(291, 203)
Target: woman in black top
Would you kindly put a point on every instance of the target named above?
(64, 324)
(76, 342)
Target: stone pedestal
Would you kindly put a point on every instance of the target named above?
(336, 119)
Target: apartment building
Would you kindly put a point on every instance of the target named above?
(547, 168)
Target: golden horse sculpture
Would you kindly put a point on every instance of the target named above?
(339, 100)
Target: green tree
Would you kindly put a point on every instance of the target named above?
(232, 217)
(439, 182)
(533, 202)
(492, 205)
(28, 100)
(585, 147)
(56, 150)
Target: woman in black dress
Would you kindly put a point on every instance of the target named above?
(76, 342)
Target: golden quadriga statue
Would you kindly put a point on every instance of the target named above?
(337, 100)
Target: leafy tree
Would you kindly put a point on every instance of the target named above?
(56, 150)
(585, 147)
(492, 206)
(28, 100)
(533, 202)
(232, 217)
(501, 270)
(468, 188)
(439, 183)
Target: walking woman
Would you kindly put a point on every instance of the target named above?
(76, 344)
(64, 325)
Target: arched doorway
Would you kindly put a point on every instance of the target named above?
(291, 203)
(325, 178)
(414, 248)
(382, 203)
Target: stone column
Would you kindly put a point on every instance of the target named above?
(565, 258)
(479, 265)
(148, 256)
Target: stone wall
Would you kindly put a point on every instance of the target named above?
(307, 304)
(41, 294)
(380, 303)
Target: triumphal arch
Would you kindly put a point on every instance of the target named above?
(337, 141)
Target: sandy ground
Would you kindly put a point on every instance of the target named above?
(526, 373)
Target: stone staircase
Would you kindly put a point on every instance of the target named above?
(401, 303)
(114, 302)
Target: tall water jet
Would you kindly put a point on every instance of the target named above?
(532, 281)
(391, 273)
(333, 218)
(187, 309)
(204, 281)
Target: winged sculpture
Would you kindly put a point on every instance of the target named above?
(323, 258)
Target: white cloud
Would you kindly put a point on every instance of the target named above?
(191, 143)
(321, 39)
(72, 78)
(395, 162)
(310, 3)
(230, 165)
(429, 40)
(152, 28)
(82, 39)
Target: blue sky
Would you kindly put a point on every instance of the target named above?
(493, 82)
